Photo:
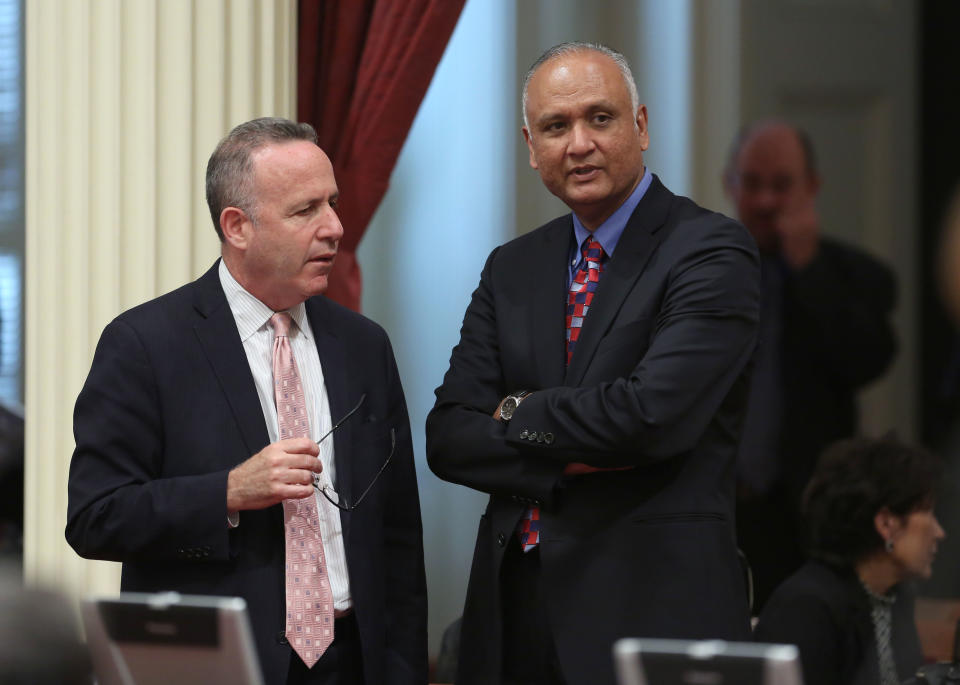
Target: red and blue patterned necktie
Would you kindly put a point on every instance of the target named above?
(582, 288)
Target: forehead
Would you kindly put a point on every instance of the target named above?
(291, 167)
(772, 150)
(574, 78)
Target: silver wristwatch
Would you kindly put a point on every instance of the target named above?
(511, 403)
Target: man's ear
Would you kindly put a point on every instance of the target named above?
(533, 157)
(642, 131)
(235, 225)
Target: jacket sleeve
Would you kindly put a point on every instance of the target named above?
(465, 444)
(120, 505)
(703, 338)
(841, 304)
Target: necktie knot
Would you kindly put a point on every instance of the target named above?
(592, 250)
(281, 324)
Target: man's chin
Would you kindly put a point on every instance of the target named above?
(587, 204)
(317, 286)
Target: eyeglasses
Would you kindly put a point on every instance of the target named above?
(323, 489)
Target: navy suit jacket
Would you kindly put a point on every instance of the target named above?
(656, 383)
(170, 406)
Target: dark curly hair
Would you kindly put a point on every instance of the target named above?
(855, 479)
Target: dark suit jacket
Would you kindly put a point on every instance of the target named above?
(657, 383)
(826, 613)
(170, 406)
(837, 337)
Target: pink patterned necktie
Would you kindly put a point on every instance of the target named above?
(309, 627)
(579, 297)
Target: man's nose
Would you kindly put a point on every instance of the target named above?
(329, 226)
(767, 198)
(581, 139)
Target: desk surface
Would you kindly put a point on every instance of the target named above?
(936, 625)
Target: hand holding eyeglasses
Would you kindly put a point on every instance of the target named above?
(281, 470)
(290, 469)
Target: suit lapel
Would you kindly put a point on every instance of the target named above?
(619, 275)
(333, 360)
(220, 341)
(547, 284)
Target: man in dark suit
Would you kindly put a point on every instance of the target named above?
(825, 333)
(605, 437)
(181, 393)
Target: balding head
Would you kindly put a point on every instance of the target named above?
(771, 168)
(574, 47)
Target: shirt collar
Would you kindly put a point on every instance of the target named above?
(608, 233)
(250, 313)
(880, 600)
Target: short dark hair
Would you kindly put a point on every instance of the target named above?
(229, 177)
(747, 130)
(856, 478)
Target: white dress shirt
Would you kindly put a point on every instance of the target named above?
(253, 322)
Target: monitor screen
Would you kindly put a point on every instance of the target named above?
(157, 639)
(708, 662)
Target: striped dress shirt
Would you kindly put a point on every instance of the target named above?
(253, 322)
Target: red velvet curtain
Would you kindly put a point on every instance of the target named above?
(364, 66)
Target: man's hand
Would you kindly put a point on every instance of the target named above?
(799, 231)
(283, 470)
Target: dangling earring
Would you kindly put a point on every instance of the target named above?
(888, 545)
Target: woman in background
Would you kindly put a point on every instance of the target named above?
(869, 512)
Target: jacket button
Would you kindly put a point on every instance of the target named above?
(282, 637)
(548, 438)
(501, 539)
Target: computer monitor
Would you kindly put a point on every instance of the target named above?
(159, 639)
(707, 662)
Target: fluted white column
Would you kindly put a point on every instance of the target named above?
(125, 100)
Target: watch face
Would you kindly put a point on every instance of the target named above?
(507, 409)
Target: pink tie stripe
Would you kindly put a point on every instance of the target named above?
(309, 628)
(581, 293)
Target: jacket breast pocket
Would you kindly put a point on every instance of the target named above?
(371, 451)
